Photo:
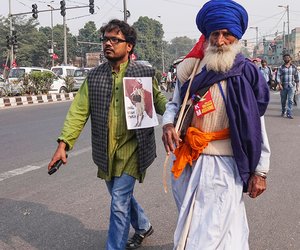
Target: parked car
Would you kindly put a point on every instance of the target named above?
(14, 85)
(144, 62)
(15, 74)
(64, 71)
(79, 77)
(58, 86)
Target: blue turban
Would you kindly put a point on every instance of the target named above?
(222, 14)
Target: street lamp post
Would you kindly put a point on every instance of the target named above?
(162, 57)
(52, 47)
(256, 29)
(10, 34)
(162, 53)
(286, 7)
(125, 11)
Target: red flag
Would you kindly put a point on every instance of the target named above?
(14, 64)
(198, 50)
(133, 57)
(5, 67)
(54, 56)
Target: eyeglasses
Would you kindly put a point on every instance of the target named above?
(112, 40)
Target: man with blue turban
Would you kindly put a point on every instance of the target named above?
(225, 150)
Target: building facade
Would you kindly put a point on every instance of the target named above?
(273, 50)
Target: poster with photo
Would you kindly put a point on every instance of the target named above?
(138, 100)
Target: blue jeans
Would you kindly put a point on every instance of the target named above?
(124, 210)
(287, 94)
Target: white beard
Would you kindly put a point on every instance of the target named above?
(221, 59)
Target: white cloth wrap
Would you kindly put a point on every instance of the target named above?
(212, 213)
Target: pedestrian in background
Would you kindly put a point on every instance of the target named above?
(169, 80)
(122, 155)
(288, 84)
(267, 73)
(226, 149)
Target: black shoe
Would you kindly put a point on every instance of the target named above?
(290, 116)
(137, 239)
(282, 114)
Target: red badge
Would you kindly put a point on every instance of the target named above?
(205, 105)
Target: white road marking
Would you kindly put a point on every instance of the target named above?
(28, 168)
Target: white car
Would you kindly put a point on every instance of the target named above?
(144, 63)
(58, 85)
(64, 70)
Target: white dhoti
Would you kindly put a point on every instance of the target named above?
(212, 213)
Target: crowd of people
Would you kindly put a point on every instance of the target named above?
(224, 153)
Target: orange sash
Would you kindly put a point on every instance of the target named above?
(194, 143)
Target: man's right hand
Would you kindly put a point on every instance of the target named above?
(60, 154)
(170, 138)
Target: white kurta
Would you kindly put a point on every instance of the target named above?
(212, 214)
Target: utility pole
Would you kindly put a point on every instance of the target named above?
(162, 57)
(65, 41)
(288, 18)
(52, 47)
(10, 34)
(125, 11)
(283, 37)
(162, 53)
(287, 8)
(256, 29)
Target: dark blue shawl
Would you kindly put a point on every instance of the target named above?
(247, 100)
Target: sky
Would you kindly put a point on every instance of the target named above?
(177, 16)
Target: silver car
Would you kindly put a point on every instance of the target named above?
(79, 77)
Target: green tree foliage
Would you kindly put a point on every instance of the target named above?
(58, 41)
(179, 46)
(41, 82)
(69, 81)
(150, 41)
(33, 43)
(88, 33)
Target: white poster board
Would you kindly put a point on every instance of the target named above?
(138, 100)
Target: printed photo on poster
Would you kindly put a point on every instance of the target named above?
(139, 108)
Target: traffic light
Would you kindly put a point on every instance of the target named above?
(8, 42)
(92, 10)
(34, 11)
(63, 7)
(245, 43)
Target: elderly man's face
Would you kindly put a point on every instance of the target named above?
(222, 37)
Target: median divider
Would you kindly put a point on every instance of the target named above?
(34, 99)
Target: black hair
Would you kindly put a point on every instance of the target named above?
(286, 54)
(127, 30)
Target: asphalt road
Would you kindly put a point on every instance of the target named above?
(70, 209)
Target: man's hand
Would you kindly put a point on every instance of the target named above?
(60, 154)
(256, 186)
(170, 138)
(280, 86)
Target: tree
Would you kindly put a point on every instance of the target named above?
(31, 43)
(179, 46)
(88, 34)
(149, 41)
